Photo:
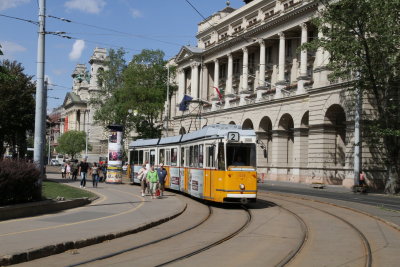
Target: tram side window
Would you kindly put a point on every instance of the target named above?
(191, 156)
(200, 156)
(138, 157)
(146, 157)
(196, 157)
(210, 156)
(182, 156)
(161, 156)
(187, 155)
(152, 157)
(221, 156)
(168, 157)
(174, 156)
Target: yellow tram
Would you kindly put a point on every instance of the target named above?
(216, 163)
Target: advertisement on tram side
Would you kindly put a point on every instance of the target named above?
(182, 179)
(174, 179)
(136, 169)
(196, 180)
(114, 168)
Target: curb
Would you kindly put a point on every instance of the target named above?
(62, 247)
(40, 207)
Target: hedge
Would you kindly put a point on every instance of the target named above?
(18, 182)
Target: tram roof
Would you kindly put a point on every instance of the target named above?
(211, 131)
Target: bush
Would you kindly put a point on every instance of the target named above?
(18, 182)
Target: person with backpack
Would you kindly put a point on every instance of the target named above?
(74, 169)
(162, 175)
(152, 178)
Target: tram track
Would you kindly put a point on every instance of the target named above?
(216, 243)
(363, 238)
(130, 249)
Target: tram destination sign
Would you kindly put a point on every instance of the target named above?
(233, 137)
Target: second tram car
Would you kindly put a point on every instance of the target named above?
(216, 163)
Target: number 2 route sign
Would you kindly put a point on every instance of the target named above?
(233, 137)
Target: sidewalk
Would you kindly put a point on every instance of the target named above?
(120, 210)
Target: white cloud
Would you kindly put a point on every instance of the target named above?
(59, 72)
(88, 6)
(10, 48)
(136, 13)
(6, 4)
(77, 49)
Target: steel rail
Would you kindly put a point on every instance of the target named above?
(230, 236)
(110, 255)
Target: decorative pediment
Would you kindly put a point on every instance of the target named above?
(187, 52)
(72, 99)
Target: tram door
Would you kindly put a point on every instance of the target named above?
(209, 171)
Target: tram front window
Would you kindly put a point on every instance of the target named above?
(241, 154)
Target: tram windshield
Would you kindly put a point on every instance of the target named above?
(241, 154)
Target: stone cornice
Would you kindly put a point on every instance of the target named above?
(310, 7)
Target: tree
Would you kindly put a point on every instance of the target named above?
(145, 89)
(362, 37)
(72, 143)
(17, 104)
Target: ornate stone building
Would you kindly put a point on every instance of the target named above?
(304, 122)
(78, 113)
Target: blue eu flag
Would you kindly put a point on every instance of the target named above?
(185, 103)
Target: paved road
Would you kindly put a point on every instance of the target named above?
(120, 208)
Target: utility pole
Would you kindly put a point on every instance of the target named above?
(167, 109)
(40, 94)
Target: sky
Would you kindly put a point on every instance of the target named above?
(132, 24)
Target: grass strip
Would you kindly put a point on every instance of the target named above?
(52, 190)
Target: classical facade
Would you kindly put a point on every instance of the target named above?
(78, 113)
(304, 122)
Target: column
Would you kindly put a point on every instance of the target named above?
(173, 106)
(204, 88)
(216, 73)
(245, 72)
(195, 80)
(261, 81)
(303, 61)
(281, 68)
(229, 89)
(181, 85)
(320, 74)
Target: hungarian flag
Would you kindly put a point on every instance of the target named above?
(219, 93)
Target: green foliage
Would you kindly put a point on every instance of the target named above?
(52, 190)
(133, 95)
(145, 89)
(17, 103)
(18, 182)
(362, 37)
(72, 143)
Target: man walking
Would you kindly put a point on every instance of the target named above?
(83, 169)
(162, 174)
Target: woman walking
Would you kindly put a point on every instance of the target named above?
(142, 178)
(152, 178)
(68, 170)
(95, 174)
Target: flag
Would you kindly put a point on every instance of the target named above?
(185, 102)
(219, 93)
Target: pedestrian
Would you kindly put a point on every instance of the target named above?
(104, 170)
(95, 174)
(162, 175)
(74, 169)
(142, 178)
(83, 169)
(147, 182)
(63, 167)
(68, 170)
(362, 179)
(152, 178)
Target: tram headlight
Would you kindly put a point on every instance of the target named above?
(242, 187)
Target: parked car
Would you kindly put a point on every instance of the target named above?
(54, 162)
